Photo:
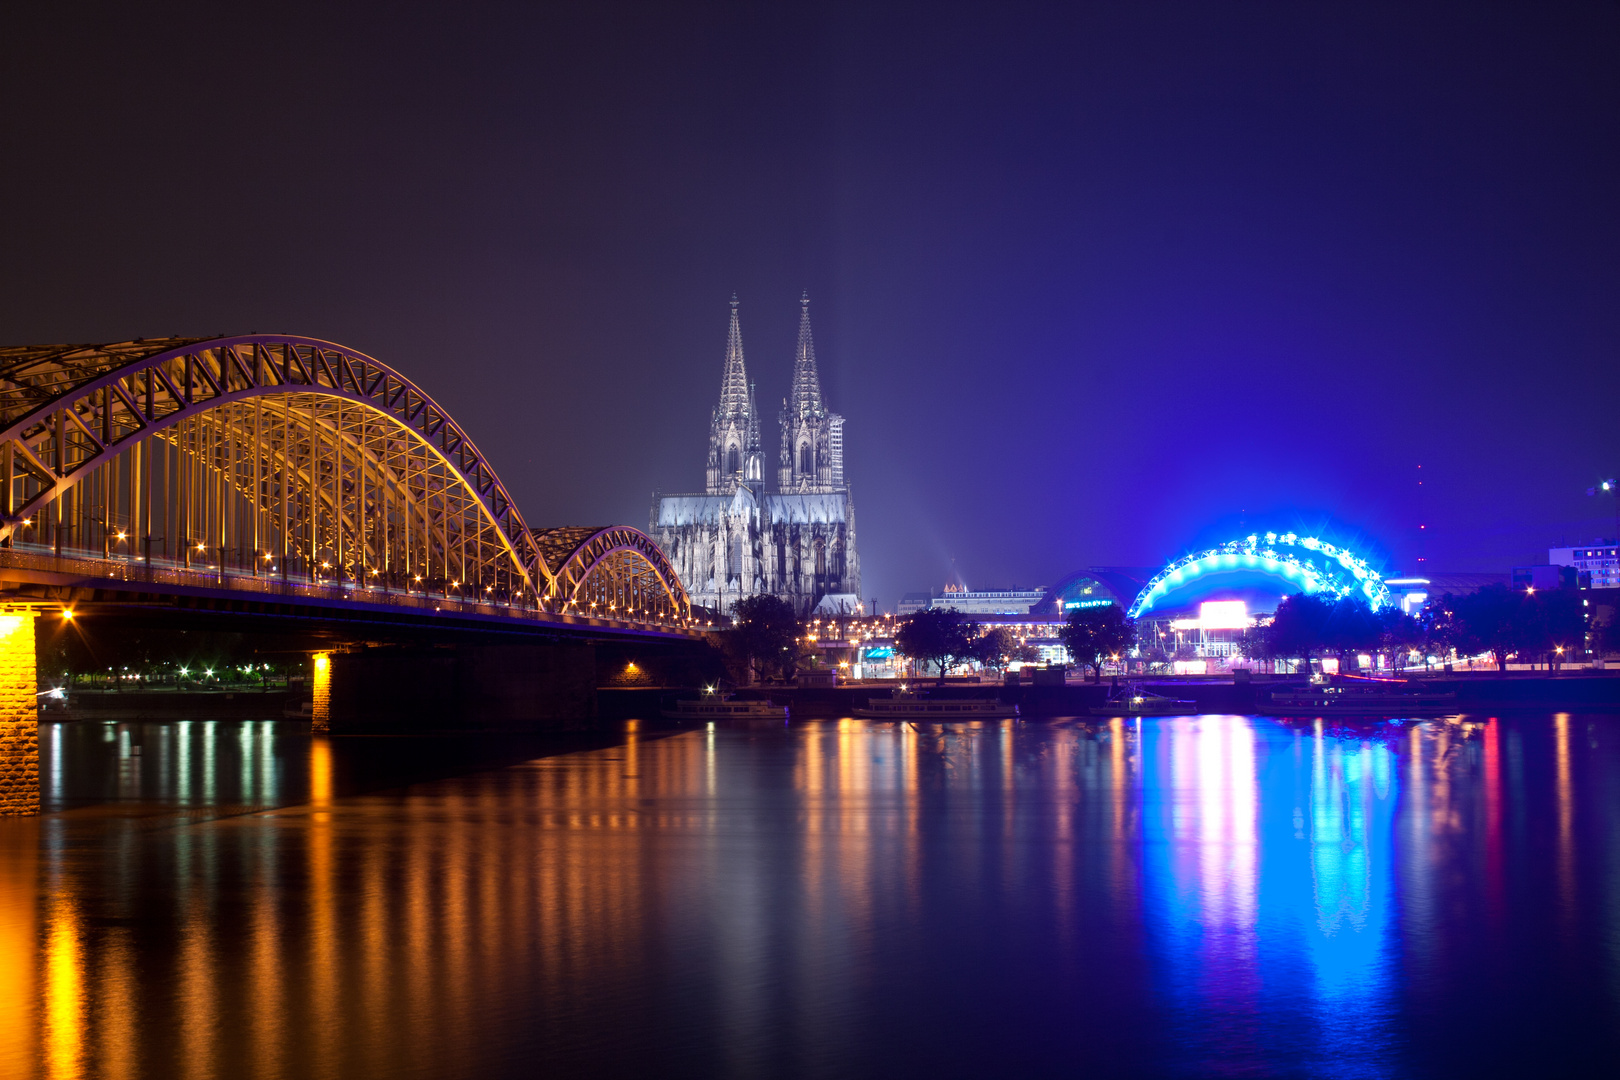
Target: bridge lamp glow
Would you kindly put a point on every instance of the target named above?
(67, 614)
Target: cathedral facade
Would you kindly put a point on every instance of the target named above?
(737, 539)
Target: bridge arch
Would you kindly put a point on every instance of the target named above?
(612, 569)
(272, 455)
(1306, 562)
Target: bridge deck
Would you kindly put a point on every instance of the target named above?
(31, 573)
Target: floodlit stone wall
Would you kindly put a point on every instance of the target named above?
(19, 714)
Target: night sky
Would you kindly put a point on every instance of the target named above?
(1090, 284)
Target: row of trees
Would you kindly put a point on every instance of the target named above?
(1504, 622)
(1548, 625)
(943, 637)
(765, 640)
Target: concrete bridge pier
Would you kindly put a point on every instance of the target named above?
(459, 688)
(19, 712)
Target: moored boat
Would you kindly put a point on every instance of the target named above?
(905, 705)
(1370, 697)
(1138, 702)
(713, 708)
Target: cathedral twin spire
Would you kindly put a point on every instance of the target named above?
(812, 437)
(805, 397)
(735, 452)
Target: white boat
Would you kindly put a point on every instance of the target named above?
(1138, 702)
(717, 708)
(904, 705)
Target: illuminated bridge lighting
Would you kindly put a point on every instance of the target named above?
(289, 465)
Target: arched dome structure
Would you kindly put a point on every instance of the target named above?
(1304, 563)
(1097, 586)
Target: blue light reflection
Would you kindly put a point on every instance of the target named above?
(1267, 872)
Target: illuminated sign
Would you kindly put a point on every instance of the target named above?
(1223, 615)
(881, 652)
(1070, 605)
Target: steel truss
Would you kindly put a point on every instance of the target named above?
(612, 569)
(283, 458)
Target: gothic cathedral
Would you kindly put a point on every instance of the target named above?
(737, 540)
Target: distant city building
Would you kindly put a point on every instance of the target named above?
(1412, 592)
(1100, 586)
(734, 540)
(913, 602)
(1600, 558)
(1548, 576)
(1014, 601)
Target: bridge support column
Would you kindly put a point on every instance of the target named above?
(322, 687)
(19, 713)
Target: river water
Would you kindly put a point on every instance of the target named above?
(1190, 896)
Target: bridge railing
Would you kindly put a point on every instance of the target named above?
(160, 572)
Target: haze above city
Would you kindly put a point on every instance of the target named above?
(1088, 292)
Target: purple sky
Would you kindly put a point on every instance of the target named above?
(1090, 286)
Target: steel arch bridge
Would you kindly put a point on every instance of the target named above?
(269, 463)
(1316, 565)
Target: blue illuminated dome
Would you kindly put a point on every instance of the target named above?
(1247, 565)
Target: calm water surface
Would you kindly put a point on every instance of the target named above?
(1198, 896)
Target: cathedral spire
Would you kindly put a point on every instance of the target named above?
(812, 438)
(734, 380)
(805, 398)
(734, 451)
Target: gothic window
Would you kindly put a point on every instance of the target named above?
(805, 464)
(732, 461)
(821, 559)
(734, 567)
